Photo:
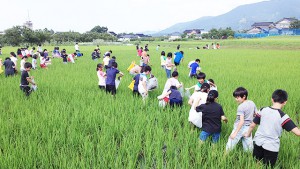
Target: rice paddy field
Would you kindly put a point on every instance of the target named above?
(69, 123)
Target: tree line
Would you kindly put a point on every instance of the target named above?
(22, 35)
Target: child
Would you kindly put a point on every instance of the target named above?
(34, 62)
(112, 60)
(140, 51)
(169, 65)
(178, 58)
(64, 56)
(1, 71)
(197, 98)
(25, 79)
(271, 121)
(135, 70)
(175, 97)
(146, 60)
(22, 63)
(111, 74)
(142, 86)
(170, 82)
(14, 59)
(95, 54)
(212, 114)
(136, 79)
(163, 59)
(194, 68)
(101, 76)
(71, 57)
(43, 63)
(9, 67)
(201, 79)
(245, 113)
(106, 61)
(212, 84)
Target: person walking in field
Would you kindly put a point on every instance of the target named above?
(169, 65)
(178, 58)
(195, 66)
(271, 120)
(146, 60)
(76, 47)
(245, 113)
(111, 74)
(197, 98)
(9, 67)
(22, 63)
(26, 79)
(163, 60)
(14, 59)
(101, 76)
(212, 115)
(140, 51)
(142, 85)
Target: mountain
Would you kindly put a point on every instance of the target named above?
(242, 17)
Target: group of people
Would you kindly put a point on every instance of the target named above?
(11, 64)
(207, 114)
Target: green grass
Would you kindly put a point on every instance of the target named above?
(70, 123)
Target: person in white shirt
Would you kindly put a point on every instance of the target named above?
(169, 64)
(13, 58)
(199, 97)
(76, 47)
(22, 63)
(142, 86)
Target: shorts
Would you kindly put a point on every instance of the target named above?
(176, 64)
(204, 135)
(111, 89)
(266, 156)
(193, 75)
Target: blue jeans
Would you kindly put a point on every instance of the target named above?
(204, 135)
(168, 73)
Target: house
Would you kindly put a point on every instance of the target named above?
(285, 23)
(127, 37)
(174, 36)
(140, 35)
(2, 32)
(257, 30)
(112, 33)
(264, 25)
(192, 32)
(274, 31)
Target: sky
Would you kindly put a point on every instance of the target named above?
(117, 15)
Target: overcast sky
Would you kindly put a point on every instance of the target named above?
(118, 15)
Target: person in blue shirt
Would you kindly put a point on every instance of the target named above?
(178, 58)
(174, 97)
(194, 67)
(111, 74)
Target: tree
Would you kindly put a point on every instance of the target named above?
(13, 36)
(295, 25)
(99, 29)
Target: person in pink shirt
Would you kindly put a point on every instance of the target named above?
(140, 51)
